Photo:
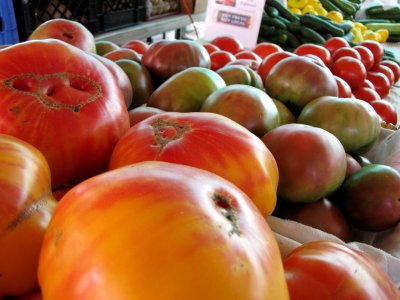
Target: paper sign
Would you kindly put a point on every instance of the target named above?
(237, 18)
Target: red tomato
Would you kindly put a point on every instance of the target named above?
(136, 45)
(366, 94)
(330, 270)
(300, 174)
(380, 82)
(247, 54)
(350, 70)
(368, 84)
(68, 31)
(344, 90)
(367, 57)
(335, 43)
(228, 43)
(316, 50)
(186, 138)
(385, 110)
(65, 103)
(165, 58)
(178, 225)
(266, 48)
(140, 113)
(220, 58)
(26, 206)
(123, 53)
(345, 52)
(385, 71)
(376, 49)
(270, 61)
(394, 67)
(210, 47)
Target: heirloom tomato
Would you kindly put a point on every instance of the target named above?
(187, 90)
(316, 50)
(331, 270)
(246, 105)
(165, 58)
(123, 53)
(289, 81)
(64, 102)
(270, 61)
(311, 161)
(208, 141)
(136, 45)
(188, 232)
(354, 122)
(26, 206)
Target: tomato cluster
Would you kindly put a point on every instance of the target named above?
(159, 163)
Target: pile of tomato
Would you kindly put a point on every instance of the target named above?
(148, 172)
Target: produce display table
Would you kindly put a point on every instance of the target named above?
(145, 30)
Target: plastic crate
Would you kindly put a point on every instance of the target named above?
(156, 9)
(8, 24)
(96, 15)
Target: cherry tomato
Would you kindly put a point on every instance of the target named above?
(248, 54)
(366, 55)
(376, 49)
(385, 71)
(394, 67)
(345, 52)
(266, 48)
(350, 70)
(220, 58)
(380, 82)
(270, 61)
(316, 50)
(228, 43)
(367, 94)
(335, 43)
(344, 90)
(385, 110)
(210, 47)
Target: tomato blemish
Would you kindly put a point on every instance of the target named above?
(224, 205)
(166, 132)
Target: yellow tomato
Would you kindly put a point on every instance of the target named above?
(383, 35)
(335, 16)
(309, 9)
(297, 3)
(371, 35)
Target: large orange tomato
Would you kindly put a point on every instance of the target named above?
(65, 103)
(158, 230)
(26, 206)
(207, 141)
(329, 270)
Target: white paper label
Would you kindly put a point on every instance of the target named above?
(237, 18)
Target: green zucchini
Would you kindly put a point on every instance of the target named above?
(346, 6)
(393, 38)
(294, 26)
(393, 28)
(279, 39)
(311, 35)
(292, 40)
(329, 6)
(283, 10)
(271, 21)
(271, 11)
(372, 10)
(266, 30)
(320, 25)
(366, 21)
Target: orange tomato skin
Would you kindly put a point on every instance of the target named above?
(207, 141)
(330, 270)
(26, 205)
(155, 230)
